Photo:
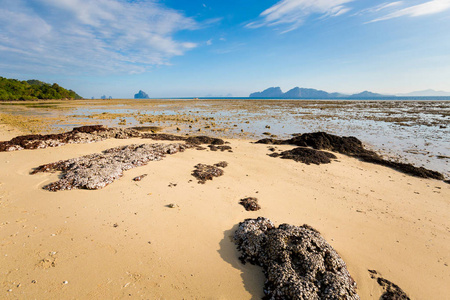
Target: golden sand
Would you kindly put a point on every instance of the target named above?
(124, 241)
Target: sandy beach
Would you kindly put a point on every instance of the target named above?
(124, 241)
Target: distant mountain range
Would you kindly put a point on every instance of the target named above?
(426, 93)
(304, 93)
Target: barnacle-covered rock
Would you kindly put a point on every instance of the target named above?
(95, 171)
(297, 261)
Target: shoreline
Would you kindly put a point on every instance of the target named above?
(374, 217)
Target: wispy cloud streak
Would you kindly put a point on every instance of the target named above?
(427, 8)
(292, 13)
(82, 35)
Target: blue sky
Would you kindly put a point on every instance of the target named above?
(174, 48)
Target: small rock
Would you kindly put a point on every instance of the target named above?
(139, 178)
(250, 204)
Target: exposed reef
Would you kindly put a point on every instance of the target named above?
(306, 155)
(207, 172)
(96, 133)
(79, 135)
(95, 171)
(297, 262)
(353, 147)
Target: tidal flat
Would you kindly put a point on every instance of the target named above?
(416, 132)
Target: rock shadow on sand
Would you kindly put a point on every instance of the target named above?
(252, 276)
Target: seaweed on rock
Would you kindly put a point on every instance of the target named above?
(297, 262)
(95, 171)
(306, 156)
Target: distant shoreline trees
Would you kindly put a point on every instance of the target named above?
(13, 89)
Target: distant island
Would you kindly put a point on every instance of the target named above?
(13, 89)
(141, 95)
(304, 93)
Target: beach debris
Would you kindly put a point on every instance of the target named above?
(172, 205)
(79, 135)
(171, 184)
(250, 204)
(297, 262)
(95, 171)
(306, 155)
(140, 177)
(221, 148)
(350, 146)
(207, 172)
(391, 290)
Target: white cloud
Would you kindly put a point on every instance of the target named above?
(427, 8)
(292, 13)
(380, 7)
(79, 35)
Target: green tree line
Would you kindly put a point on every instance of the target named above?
(13, 89)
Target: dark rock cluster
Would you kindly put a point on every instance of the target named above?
(306, 155)
(297, 262)
(353, 147)
(250, 204)
(95, 171)
(221, 148)
(207, 172)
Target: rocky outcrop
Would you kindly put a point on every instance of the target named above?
(297, 262)
(351, 146)
(95, 171)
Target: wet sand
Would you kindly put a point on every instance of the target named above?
(124, 240)
(411, 131)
